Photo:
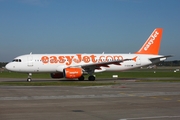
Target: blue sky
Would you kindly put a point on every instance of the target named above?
(86, 26)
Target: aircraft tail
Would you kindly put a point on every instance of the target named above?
(152, 45)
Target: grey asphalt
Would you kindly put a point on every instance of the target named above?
(129, 100)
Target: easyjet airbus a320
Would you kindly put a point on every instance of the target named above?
(74, 66)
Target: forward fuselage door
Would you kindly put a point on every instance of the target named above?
(30, 60)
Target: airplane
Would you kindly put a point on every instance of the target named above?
(75, 66)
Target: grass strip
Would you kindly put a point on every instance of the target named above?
(128, 74)
(158, 80)
(64, 83)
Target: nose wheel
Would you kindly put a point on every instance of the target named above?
(29, 79)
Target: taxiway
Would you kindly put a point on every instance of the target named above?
(129, 100)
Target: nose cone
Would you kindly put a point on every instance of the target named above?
(9, 67)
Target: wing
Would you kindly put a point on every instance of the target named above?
(105, 64)
(92, 66)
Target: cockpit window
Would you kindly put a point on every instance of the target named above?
(17, 60)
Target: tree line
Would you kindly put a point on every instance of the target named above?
(169, 63)
(3, 64)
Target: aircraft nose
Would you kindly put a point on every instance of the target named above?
(9, 66)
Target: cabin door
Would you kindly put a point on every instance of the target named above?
(30, 61)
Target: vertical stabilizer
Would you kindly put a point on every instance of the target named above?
(152, 45)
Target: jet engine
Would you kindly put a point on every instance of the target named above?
(72, 73)
(57, 75)
(69, 73)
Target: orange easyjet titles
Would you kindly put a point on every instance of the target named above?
(77, 58)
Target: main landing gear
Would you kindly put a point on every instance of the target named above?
(29, 77)
(90, 78)
(81, 78)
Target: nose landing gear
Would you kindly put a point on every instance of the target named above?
(29, 79)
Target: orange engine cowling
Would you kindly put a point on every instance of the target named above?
(57, 75)
(72, 72)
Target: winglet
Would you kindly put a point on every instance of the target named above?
(152, 45)
(134, 59)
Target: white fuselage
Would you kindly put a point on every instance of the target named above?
(34, 63)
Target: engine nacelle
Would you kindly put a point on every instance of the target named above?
(57, 75)
(72, 73)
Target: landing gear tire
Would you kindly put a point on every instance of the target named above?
(81, 78)
(29, 77)
(29, 80)
(91, 78)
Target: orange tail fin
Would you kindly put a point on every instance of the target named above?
(152, 45)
